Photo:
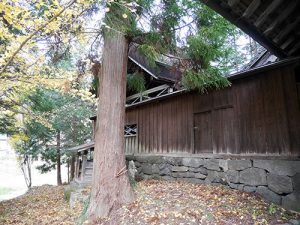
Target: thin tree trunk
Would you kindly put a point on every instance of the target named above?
(254, 47)
(26, 170)
(29, 172)
(251, 48)
(111, 188)
(236, 63)
(58, 163)
(72, 175)
(68, 166)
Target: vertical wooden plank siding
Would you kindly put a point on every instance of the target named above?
(159, 134)
(189, 119)
(224, 130)
(260, 110)
(147, 115)
(139, 125)
(292, 108)
(202, 132)
(259, 114)
(171, 127)
(165, 132)
(162, 126)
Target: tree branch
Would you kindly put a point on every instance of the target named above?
(185, 25)
(33, 34)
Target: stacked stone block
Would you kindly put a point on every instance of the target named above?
(278, 181)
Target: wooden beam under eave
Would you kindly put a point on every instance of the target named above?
(251, 9)
(262, 18)
(286, 12)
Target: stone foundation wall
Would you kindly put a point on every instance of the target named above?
(278, 181)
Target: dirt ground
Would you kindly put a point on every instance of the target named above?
(157, 202)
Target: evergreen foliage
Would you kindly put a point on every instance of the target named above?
(149, 52)
(136, 82)
(203, 49)
(48, 31)
(206, 81)
(55, 111)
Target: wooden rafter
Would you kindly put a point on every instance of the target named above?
(233, 3)
(283, 16)
(251, 8)
(286, 31)
(246, 26)
(287, 42)
(262, 18)
(294, 49)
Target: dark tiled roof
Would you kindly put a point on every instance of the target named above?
(160, 71)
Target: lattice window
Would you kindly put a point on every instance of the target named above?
(130, 130)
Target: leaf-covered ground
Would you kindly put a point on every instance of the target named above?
(157, 202)
(39, 206)
(161, 202)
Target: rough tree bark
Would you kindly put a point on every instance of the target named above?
(58, 163)
(110, 187)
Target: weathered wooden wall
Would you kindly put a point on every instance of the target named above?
(164, 126)
(259, 114)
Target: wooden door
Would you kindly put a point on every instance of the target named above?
(203, 132)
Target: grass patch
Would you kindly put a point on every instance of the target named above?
(67, 194)
(83, 216)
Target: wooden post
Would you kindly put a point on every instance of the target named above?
(93, 129)
(77, 166)
(83, 166)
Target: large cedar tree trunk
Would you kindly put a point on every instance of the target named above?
(111, 188)
(58, 163)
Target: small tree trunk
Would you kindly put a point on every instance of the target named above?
(111, 188)
(236, 58)
(58, 163)
(26, 170)
(250, 48)
(68, 167)
(29, 172)
(254, 47)
(73, 159)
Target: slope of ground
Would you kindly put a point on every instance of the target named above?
(161, 202)
(157, 202)
(39, 206)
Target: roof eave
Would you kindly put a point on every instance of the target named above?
(246, 27)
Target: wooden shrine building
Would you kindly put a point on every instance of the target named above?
(258, 115)
(246, 136)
